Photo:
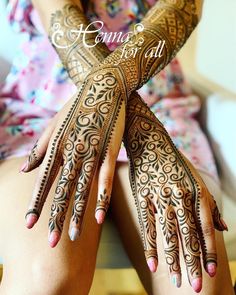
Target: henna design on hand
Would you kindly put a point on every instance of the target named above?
(103, 201)
(163, 182)
(82, 141)
(174, 203)
(34, 159)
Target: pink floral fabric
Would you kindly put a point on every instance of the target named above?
(38, 85)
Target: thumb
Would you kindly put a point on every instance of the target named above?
(38, 152)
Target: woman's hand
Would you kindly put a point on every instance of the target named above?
(164, 182)
(84, 136)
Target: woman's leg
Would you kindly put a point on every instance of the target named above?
(124, 213)
(31, 267)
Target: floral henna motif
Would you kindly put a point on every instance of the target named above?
(82, 142)
(161, 181)
(103, 201)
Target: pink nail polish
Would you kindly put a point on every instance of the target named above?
(100, 216)
(152, 264)
(23, 167)
(211, 269)
(54, 238)
(31, 219)
(197, 284)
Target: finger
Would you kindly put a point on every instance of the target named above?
(107, 168)
(88, 170)
(169, 232)
(105, 180)
(49, 168)
(38, 152)
(64, 191)
(218, 221)
(207, 233)
(148, 226)
(47, 173)
(147, 222)
(183, 206)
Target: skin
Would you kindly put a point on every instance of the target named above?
(66, 183)
(68, 268)
(57, 220)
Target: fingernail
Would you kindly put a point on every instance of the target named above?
(211, 269)
(197, 284)
(74, 234)
(54, 238)
(224, 224)
(152, 264)
(23, 167)
(176, 280)
(100, 216)
(31, 219)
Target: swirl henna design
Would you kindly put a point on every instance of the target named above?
(169, 21)
(163, 181)
(82, 142)
(149, 217)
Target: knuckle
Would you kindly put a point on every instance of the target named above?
(111, 155)
(107, 181)
(178, 191)
(208, 229)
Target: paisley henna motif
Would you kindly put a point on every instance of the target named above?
(82, 142)
(161, 180)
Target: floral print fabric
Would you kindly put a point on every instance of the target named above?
(38, 86)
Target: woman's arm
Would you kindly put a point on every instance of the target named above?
(46, 8)
(168, 22)
(150, 252)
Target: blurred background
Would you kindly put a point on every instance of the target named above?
(209, 62)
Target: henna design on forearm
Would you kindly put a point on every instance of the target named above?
(171, 192)
(168, 21)
(77, 59)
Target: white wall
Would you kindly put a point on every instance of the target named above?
(9, 42)
(216, 47)
(209, 56)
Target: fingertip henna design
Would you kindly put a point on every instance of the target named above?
(173, 22)
(103, 201)
(161, 178)
(34, 159)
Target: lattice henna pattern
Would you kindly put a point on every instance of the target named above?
(172, 21)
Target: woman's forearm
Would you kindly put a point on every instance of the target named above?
(46, 8)
(167, 25)
(161, 34)
(60, 19)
